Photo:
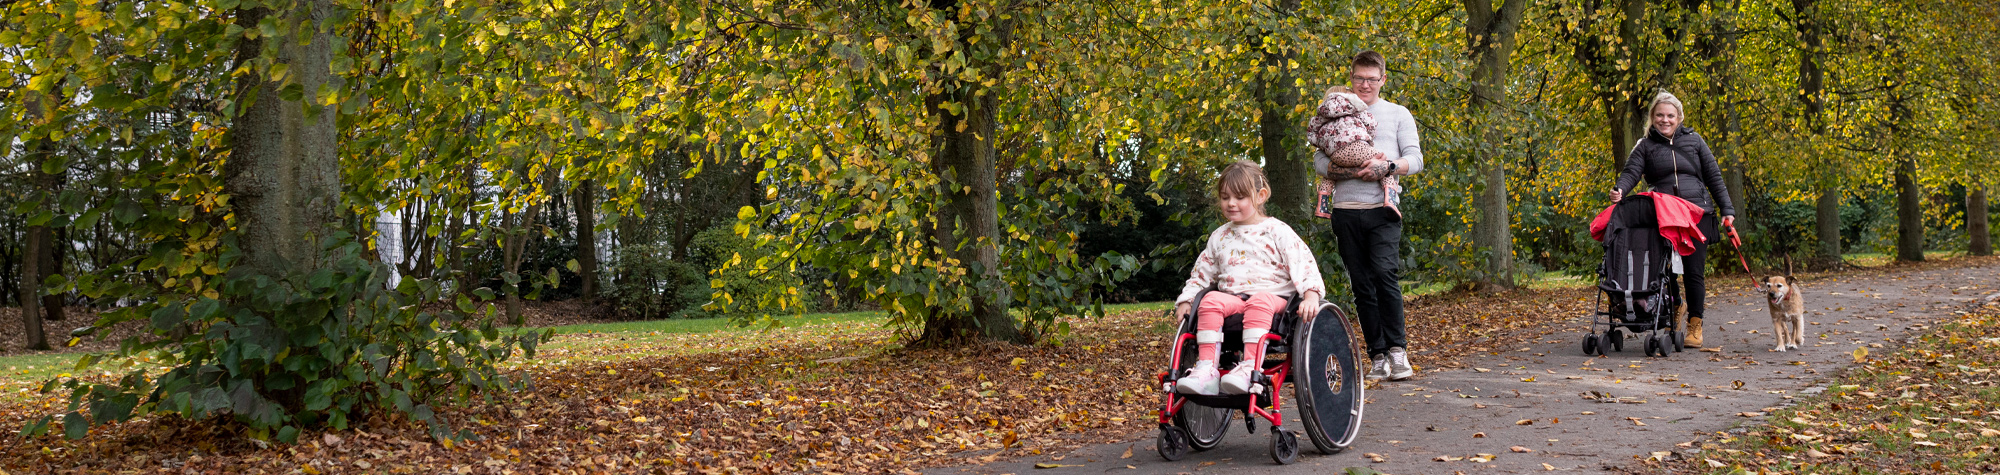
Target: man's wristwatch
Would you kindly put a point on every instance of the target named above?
(1392, 167)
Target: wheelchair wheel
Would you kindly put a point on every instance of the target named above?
(1284, 447)
(1203, 425)
(1172, 442)
(1326, 380)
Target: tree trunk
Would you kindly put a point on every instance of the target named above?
(1490, 41)
(55, 241)
(513, 250)
(965, 161)
(1909, 213)
(1826, 214)
(1277, 95)
(586, 237)
(283, 172)
(1812, 87)
(33, 337)
(35, 245)
(1975, 221)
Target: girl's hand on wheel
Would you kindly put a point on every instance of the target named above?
(1181, 310)
(1309, 308)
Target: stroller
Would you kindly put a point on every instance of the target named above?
(1640, 276)
(1317, 357)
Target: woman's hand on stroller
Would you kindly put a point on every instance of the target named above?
(1617, 194)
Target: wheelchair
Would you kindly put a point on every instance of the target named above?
(1317, 357)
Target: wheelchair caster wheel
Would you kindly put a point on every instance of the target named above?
(1284, 446)
(1173, 443)
(1590, 345)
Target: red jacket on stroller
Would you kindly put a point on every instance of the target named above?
(1677, 221)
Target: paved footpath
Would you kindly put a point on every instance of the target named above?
(1586, 414)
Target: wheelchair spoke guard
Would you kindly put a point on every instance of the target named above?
(1327, 380)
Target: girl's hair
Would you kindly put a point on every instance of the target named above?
(1664, 97)
(1242, 178)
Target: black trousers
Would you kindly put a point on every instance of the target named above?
(1368, 241)
(1694, 268)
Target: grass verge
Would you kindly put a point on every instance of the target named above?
(1930, 407)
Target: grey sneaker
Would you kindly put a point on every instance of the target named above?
(1399, 365)
(1380, 370)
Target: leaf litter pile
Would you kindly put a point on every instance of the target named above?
(833, 398)
(1932, 406)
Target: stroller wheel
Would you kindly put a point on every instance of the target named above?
(1284, 446)
(1652, 345)
(1680, 341)
(1616, 338)
(1172, 442)
(1590, 344)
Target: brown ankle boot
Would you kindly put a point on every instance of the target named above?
(1693, 339)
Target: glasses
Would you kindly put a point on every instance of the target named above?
(1364, 80)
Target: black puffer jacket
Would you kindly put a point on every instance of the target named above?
(1682, 166)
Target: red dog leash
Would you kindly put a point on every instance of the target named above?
(1737, 242)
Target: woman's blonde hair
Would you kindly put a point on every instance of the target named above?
(1242, 178)
(1664, 97)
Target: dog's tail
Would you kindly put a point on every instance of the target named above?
(1788, 268)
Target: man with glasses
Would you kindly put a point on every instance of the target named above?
(1369, 233)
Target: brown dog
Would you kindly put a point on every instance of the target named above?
(1788, 311)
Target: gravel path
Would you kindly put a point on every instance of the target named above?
(1581, 414)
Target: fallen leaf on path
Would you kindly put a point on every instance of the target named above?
(1520, 450)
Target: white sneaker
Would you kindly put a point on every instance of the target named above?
(1379, 371)
(1399, 365)
(1201, 379)
(1239, 379)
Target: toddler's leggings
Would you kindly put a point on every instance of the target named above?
(1257, 312)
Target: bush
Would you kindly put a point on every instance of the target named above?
(308, 350)
(652, 285)
(738, 266)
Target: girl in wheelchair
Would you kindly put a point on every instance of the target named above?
(1256, 263)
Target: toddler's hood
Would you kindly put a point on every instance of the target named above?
(1341, 104)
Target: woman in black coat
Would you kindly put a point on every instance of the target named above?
(1673, 159)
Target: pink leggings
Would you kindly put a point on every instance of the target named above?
(1257, 312)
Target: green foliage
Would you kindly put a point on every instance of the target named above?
(738, 266)
(655, 284)
(313, 349)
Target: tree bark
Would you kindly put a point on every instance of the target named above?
(586, 237)
(1490, 41)
(1975, 221)
(969, 228)
(513, 250)
(283, 172)
(55, 241)
(1812, 95)
(1826, 214)
(1289, 175)
(36, 240)
(1909, 213)
(33, 336)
